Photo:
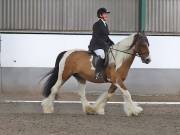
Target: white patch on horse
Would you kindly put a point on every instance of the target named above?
(120, 57)
(82, 94)
(92, 67)
(109, 79)
(101, 102)
(130, 107)
(149, 57)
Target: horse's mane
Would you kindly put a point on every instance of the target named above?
(124, 45)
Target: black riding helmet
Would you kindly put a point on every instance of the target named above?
(101, 11)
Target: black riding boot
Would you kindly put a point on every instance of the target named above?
(99, 68)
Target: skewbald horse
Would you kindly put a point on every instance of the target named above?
(78, 63)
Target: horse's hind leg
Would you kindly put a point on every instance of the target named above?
(47, 103)
(87, 108)
(102, 100)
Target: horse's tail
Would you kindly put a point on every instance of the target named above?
(53, 76)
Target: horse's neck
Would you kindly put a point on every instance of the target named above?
(118, 57)
(125, 43)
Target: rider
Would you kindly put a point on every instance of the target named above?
(100, 41)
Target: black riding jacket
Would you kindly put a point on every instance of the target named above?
(100, 38)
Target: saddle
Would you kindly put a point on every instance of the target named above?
(95, 57)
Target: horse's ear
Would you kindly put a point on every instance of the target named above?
(143, 33)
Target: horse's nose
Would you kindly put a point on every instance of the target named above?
(147, 60)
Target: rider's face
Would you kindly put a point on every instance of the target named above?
(104, 16)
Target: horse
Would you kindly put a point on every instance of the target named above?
(78, 63)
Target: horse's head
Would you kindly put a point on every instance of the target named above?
(141, 47)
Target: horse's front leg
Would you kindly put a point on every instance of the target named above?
(102, 100)
(130, 107)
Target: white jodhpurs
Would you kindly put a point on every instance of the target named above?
(100, 52)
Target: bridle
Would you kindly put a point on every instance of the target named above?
(136, 53)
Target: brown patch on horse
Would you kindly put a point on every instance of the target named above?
(123, 70)
(78, 63)
(111, 72)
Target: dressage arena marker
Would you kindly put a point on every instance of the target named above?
(79, 102)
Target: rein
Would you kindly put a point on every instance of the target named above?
(125, 51)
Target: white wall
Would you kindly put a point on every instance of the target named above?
(40, 50)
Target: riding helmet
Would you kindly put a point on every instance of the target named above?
(101, 11)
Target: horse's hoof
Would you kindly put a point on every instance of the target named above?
(90, 110)
(137, 111)
(48, 110)
(132, 109)
(101, 112)
(47, 107)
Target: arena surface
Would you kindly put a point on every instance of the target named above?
(26, 118)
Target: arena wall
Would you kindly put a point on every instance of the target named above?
(25, 58)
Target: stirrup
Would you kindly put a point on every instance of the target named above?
(99, 76)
